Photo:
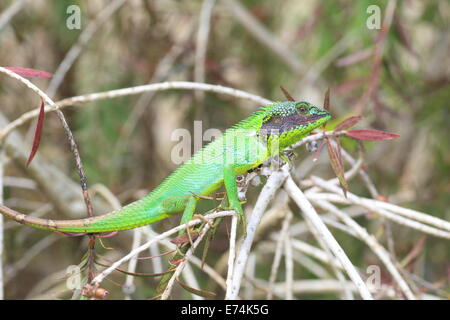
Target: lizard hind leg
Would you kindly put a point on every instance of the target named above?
(229, 178)
(176, 204)
(188, 212)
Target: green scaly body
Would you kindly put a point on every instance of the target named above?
(242, 147)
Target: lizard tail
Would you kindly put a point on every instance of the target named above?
(76, 225)
(134, 215)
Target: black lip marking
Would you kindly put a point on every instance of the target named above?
(277, 124)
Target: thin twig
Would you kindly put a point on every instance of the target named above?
(2, 156)
(310, 213)
(315, 70)
(19, 182)
(165, 295)
(193, 259)
(11, 11)
(99, 278)
(30, 254)
(373, 244)
(300, 228)
(60, 189)
(348, 176)
(278, 253)
(377, 57)
(67, 130)
(385, 209)
(106, 194)
(347, 294)
(202, 44)
(209, 271)
(313, 286)
(258, 30)
(132, 264)
(315, 253)
(162, 72)
(312, 266)
(364, 176)
(79, 165)
(272, 185)
(289, 264)
(85, 36)
(249, 287)
(231, 256)
(155, 252)
(170, 85)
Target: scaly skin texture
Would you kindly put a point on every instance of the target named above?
(242, 147)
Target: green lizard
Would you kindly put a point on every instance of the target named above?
(241, 148)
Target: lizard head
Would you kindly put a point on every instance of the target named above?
(285, 123)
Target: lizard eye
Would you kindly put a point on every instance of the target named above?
(302, 109)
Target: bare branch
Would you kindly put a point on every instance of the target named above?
(185, 85)
(274, 182)
(372, 243)
(310, 213)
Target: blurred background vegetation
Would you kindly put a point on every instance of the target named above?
(255, 46)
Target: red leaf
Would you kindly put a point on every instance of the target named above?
(336, 164)
(348, 123)
(382, 198)
(176, 262)
(354, 57)
(286, 94)
(371, 135)
(185, 238)
(349, 85)
(326, 100)
(38, 132)
(326, 103)
(198, 292)
(30, 73)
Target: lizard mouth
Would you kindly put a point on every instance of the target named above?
(305, 120)
(278, 125)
